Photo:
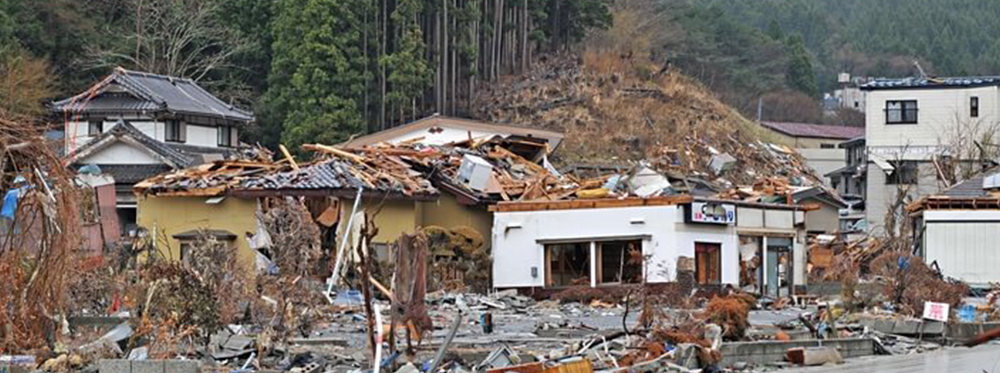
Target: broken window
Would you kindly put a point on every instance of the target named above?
(708, 263)
(904, 172)
(95, 128)
(567, 264)
(621, 262)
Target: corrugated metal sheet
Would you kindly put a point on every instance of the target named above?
(969, 251)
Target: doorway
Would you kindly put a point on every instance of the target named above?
(708, 263)
(621, 262)
(779, 266)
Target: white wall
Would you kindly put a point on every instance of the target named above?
(202, 136)
(516, 250)
(965, 244)
(120, 153)
(824, 160)
(76, 132)
(940, 112)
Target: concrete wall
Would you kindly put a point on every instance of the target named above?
(448, 213)
(765, 352)
(826, 219)
(167, 216)
(519, 237)
(964, 243)
(823, 161)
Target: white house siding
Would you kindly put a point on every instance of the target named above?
(665, 238)
(939, 112)
(77, 132)
(120, 153)
(880, 195)
(964, 243)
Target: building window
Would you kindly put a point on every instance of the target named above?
(974, 107)
(620, 262)
(827, 146)
(567, 264)
(225, 136)
(174, 131)
(905, 172)
(901, 112)
(95, 127)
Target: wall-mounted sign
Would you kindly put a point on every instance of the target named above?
(710, 213)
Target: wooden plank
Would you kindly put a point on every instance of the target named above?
(587, 204)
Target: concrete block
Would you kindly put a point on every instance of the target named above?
(114, 366)
(181, 366)
(147, 366)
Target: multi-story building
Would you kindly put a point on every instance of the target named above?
(134, 125)
(919, 132)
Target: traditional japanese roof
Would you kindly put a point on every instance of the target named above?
(815, 130)
(132, 92)
(124, 132)
(929, 83)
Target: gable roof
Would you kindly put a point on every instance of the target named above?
(930, 83)
(821, 131)
(553, 138)
(124, 132)
(126, 91)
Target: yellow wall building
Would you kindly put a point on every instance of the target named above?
(166, 216)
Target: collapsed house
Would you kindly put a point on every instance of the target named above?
(956, 231)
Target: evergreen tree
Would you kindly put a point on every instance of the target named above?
(800, 70)
(7, 38)
(317, 73)
(409, 73)
(774, 31)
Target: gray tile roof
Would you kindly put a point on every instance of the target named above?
(178, 154)
(332, 174)
(151, 93)
(925, 83)
(972, 187)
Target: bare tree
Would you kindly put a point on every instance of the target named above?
(171, 37)
(969, 144)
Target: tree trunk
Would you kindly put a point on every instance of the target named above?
(385, 21)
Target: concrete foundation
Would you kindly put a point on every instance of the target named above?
(148, 366)
(765, 352)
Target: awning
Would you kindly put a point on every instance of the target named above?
(882, 163)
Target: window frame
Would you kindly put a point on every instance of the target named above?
(224, 136)
(903, 110)
(897, 176)
(99, 124)
(178, 134)
(974, 106)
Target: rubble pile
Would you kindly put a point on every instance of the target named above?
(611, 113)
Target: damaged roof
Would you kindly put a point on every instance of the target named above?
(126, 91)
(429, 131)
(930, 82)
(333, 176)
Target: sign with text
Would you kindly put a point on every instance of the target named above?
(711, 213)
(936, 311)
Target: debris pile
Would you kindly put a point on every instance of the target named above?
(611, 113)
